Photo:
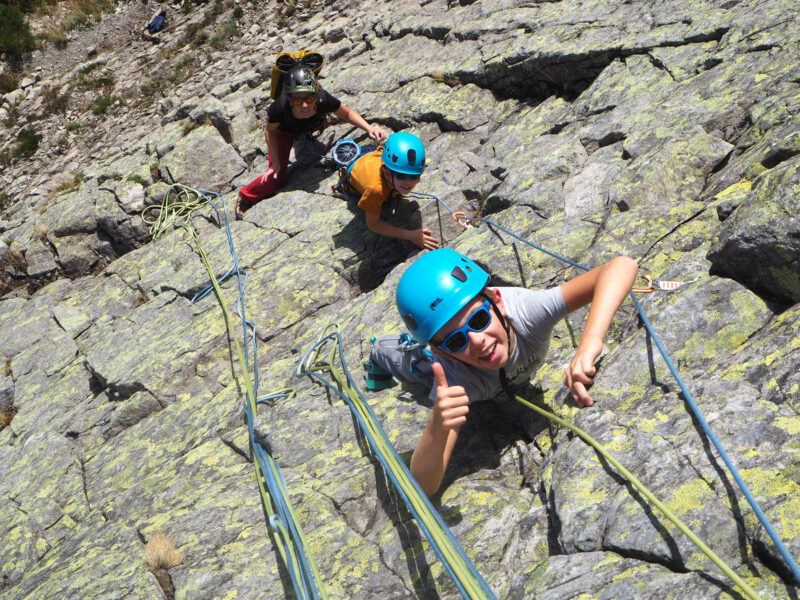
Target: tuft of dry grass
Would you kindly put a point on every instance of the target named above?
(160, 553)
(446, 78)
(40, 231)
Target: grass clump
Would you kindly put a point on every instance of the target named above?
(160, 553)
(27, 143)
(182, 68)
(194, 36)
(40, 231)
(228, 30)
(9, 81)
(89, 79)
(53, 102)
(102, 103)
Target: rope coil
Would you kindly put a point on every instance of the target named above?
(179, 203)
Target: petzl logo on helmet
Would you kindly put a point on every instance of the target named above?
(435, 303)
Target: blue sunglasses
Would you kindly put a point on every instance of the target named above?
(458, 339)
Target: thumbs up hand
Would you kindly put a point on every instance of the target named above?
(452, 402)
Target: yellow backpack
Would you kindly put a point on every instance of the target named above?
(286, 61)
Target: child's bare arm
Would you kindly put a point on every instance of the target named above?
(432, 454)
(421, 237)
(605, 287)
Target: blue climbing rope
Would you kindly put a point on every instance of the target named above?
(687, 396)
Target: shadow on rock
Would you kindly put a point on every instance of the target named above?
(377, 254)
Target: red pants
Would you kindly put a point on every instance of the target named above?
(259, 189)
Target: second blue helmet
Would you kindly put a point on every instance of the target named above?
(404, 153)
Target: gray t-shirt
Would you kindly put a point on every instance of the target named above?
(533, 314)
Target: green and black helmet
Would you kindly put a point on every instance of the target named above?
(300, 80)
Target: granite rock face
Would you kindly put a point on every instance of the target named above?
(664, 131)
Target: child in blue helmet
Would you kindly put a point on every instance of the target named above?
(484, 339)
(393, 169)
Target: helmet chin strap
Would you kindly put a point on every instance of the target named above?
(504, 322)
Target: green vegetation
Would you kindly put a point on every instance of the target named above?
(89, 79)
(194, 36)
(62, 143)
(9, 81)
(102, 103)
(136, 179)
(73, 126)
(15, 34)
(228, 30)
(27, 143)
(54, 102)
(182, 69)
(149, 88)
(84, 11)
(57, 37)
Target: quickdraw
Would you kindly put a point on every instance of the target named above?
(657, 284)
(462, 219)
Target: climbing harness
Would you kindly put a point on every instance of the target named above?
(177, 207)
(464, 574)
(685, 392)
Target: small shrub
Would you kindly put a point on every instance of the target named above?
(4, 204)
(102, 103)
(65, 184)
(238, 12)
(15, 34)
(182, 68)
(91, 67)
(149, 88)
(89, 79)
(228, 31)
(136, 179)
(54, 102)
(61, 144)
(78, 177)
(77, 20)
(73, 126)
(56, 36)
(190, 33)
(27, 143)
(9, 81)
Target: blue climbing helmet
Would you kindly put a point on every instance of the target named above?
(404, 153)
(434, 288)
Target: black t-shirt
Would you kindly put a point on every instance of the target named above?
(280, 112)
